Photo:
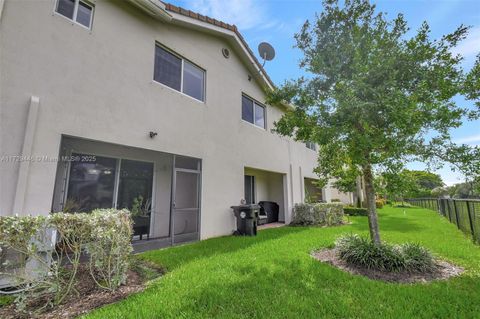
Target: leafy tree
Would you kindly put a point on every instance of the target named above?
(398, 186)
(425, 182)
(464, 190)
(407, 184)
(373, 93)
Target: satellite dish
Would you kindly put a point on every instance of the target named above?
(266, 51)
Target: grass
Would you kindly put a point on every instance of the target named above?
(273, 276)
(5, 300)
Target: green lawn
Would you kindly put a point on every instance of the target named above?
(273, 276)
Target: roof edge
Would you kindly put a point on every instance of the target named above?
(154, 8)
(230, 27)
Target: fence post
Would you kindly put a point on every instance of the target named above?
(470, 220)
(456, 213)
(447, 202)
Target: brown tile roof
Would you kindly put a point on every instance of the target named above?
(231, 27)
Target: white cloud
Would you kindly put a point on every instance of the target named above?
(469, 47)
(472, 139)
(245, 14)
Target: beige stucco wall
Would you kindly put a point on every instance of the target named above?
(346, 198)
(98, 85)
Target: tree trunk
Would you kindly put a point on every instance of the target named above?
(371, 206)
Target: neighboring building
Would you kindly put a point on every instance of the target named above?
(143, 105)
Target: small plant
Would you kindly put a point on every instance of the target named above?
(362, 252)
(71, 206)
(137, 206)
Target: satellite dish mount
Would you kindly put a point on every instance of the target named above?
(266, 51)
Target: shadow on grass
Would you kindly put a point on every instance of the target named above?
(173, 257)
(296, 288)
(392, 223)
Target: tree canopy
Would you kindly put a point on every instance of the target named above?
(408, 184)
(374, 96)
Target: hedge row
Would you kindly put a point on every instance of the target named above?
(42, 253)
(318, 214)
(355, 211)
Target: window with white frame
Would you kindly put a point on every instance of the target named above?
(78, 11)
(311, 146)
(253, 112)
(179, 74)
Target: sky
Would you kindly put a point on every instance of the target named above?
(276, 21)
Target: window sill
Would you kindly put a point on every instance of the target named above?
(178, 92)
(256, 126)
(72, 22)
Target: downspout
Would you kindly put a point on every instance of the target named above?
(2, 3)
(27, 147)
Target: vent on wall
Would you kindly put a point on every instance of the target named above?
(226, 53)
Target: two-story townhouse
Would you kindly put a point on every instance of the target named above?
(142, 105)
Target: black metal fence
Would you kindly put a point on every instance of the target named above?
(464, 213)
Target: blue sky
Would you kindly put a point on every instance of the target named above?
(276, 21)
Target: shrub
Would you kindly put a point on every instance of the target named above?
(335, 200)
(110, 247)
(417, 258)
(317, 214)
(379, 203)
(354, 211)
(362, 252)
(402, 205)
(105, 234)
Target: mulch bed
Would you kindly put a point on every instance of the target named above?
(444, 270)
(89, 297)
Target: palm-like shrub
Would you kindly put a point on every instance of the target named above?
(362, 252)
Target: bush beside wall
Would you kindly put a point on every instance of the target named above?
(318, 214)
(104, 235)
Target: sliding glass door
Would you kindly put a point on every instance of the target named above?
(91, 183)
(104, 182)
(135, 194)
(171, 212)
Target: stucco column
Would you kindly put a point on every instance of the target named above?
(327, 192)
(26, 154)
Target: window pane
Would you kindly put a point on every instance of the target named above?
(259, 115)
(66, 8)
(193, 81)
(187, 162)
(91, 183)
(84, 14)
(135, 188)
(186, 190)
(168, 68)
(247, 109)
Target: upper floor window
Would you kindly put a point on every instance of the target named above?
(253, 112)
(311, 146)
(179, 74)
(78, 11)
